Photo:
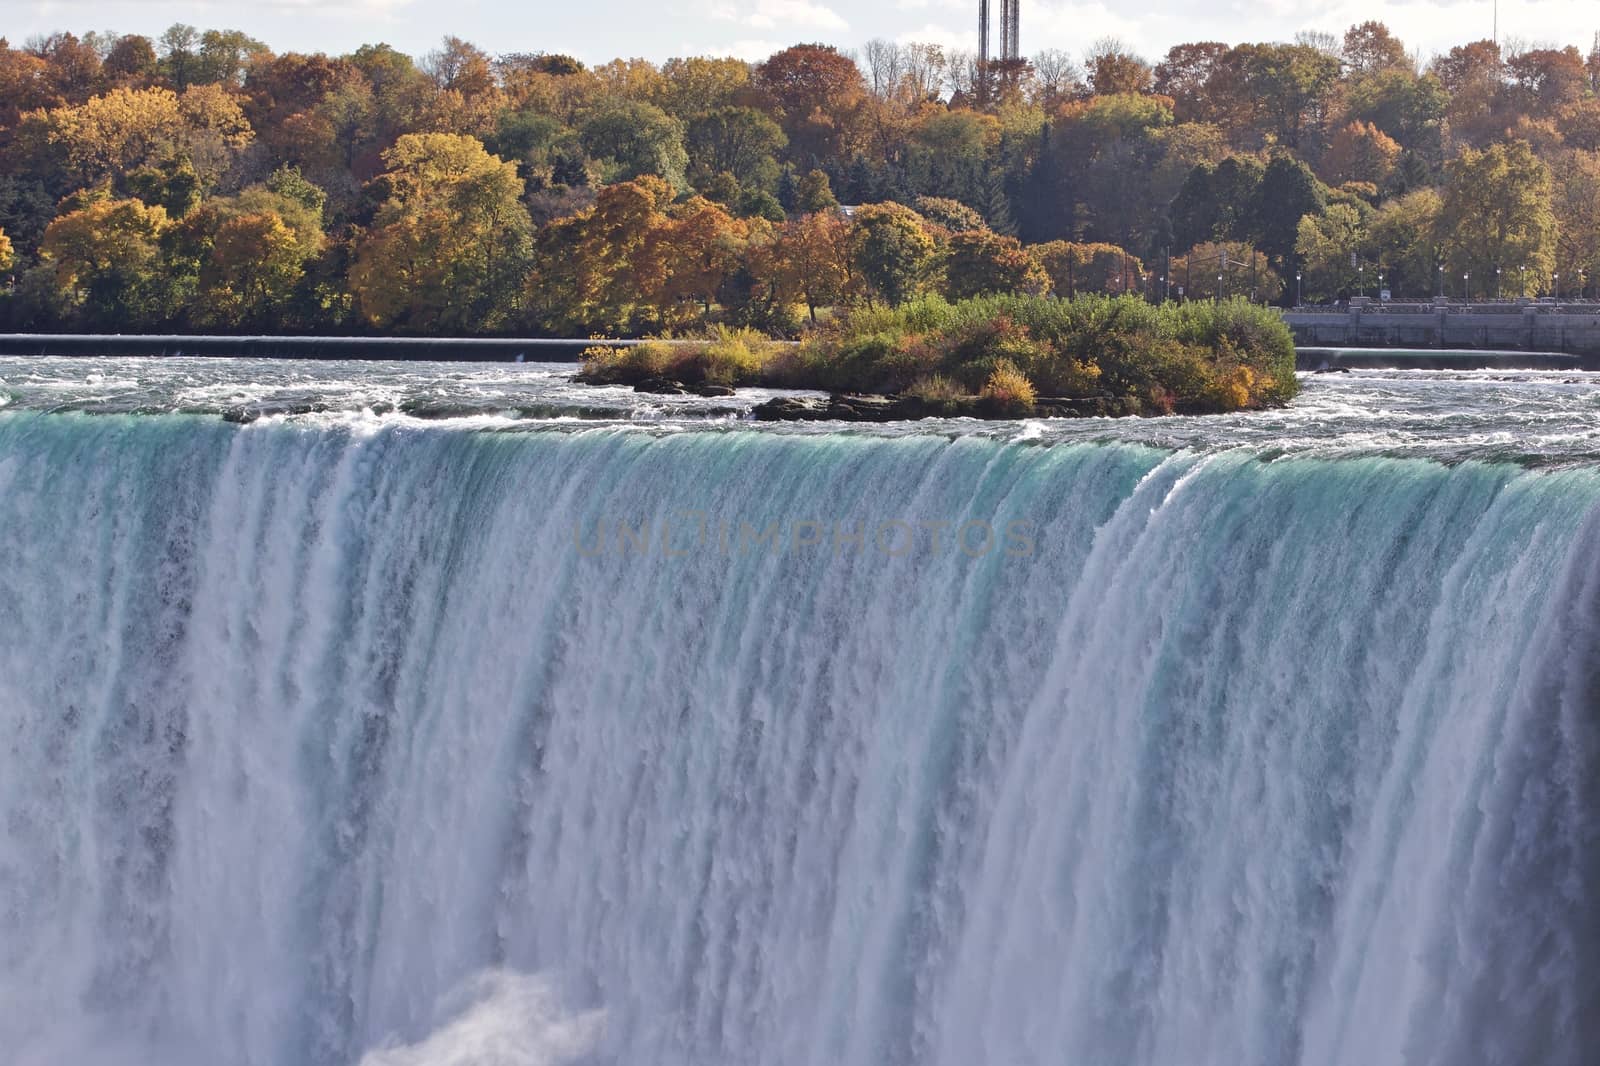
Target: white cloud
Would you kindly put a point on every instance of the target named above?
(752, 51)
(780, 14)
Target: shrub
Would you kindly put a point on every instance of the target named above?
(732, 356)
(1008, 392)
(1192, 358)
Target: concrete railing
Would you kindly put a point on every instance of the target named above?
(1543, 327)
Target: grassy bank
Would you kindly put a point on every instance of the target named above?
(1003, 356)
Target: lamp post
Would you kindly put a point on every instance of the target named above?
(1522, 281)
(1361, 280)
(1380, 285)
(1441, 281)
(1555, 285)
(1297, 276)
(1219, 288)
(1497, 283)
(1466, 288)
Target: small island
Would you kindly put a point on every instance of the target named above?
(986, 357)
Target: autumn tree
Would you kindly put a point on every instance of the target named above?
(1360, 151)
(1244, 271)
(103, 261)
(125, 129)
(1093, 267)
(1471, 76)
(1497, 213)
(1544, 81)
(689, 258)
(813, 262)
(584, 274)
(1186, 74)
(131, 62)
(981, 263)
(448, 247)
(816, 93)
(254, 265)
(1369, 48)
(1113, 68)
(699, 85)
(891, 251)
(8, 257)
(953, 215)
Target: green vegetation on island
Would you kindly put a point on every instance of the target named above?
(993, 356)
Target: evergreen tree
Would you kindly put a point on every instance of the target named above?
(997, 205)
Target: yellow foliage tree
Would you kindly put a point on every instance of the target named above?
(1093, 267)
(450, 242)
(125, 129)
(7, 257)
(104, 261)
(256, 260)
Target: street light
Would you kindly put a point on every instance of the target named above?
(1297, 288)
(1522, 281)
(1219, 288)
(1555, 285)
(1466, 288)
(1441, 281)
(1361, 280)
(1380, 284)
(1497, 283)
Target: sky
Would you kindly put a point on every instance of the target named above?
(598, 30)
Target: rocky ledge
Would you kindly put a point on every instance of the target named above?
(844, 407)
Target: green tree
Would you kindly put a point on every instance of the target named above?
(1403, 240)
(1330, 249)
(739, 140)
(1497, 213)
(813, 193)
(1287, 193)
(1576, 203)
(891, 251)
(633, 138)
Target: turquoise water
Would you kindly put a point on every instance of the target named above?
(356, 737)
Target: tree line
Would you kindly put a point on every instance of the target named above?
(201, 181)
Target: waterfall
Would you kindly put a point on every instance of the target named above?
(357, 742)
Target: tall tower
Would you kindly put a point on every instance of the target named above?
(983, 33)
(1010, 29)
